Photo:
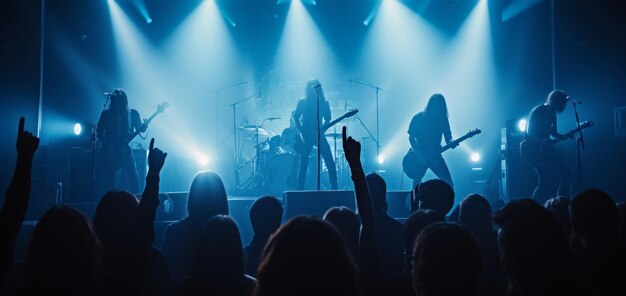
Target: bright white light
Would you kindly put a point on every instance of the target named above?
(149, 20)
(521, 125)
(203, 160)
(381, 159)
(78, 128)
(475, 157)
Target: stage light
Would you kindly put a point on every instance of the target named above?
(381, 159)
(78, 129)
(475, 157)
(203, 160)
(521, 125)
(148, 20)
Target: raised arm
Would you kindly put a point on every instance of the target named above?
(16, 198)
(368, 246)
(144, 231)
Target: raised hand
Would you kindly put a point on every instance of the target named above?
(27, 143)
(352, 149)
(156, 158)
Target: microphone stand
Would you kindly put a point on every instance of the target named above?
(378, 90)
(217, 106)
(580, 142)
(234, 106)
(317, 119)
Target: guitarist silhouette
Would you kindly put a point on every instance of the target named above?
(116, 123)
(305, 120)
(425, 133)
(554, 178)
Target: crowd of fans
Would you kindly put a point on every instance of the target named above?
(565, 247)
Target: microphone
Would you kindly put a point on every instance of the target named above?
(574, 100)
(273, 118)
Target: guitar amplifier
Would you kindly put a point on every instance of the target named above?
(81, 170)
(518, 178)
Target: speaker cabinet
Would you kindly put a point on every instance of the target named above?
(518, 177)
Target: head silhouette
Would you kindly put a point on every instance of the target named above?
(119, 100)
(219, 252)
(436, 195)
(535, 255)
(207, 196)
(595, 219)
(266, 214)
(621, 208)
(415, 223)
(314, 90)
(63, 254)
(378, 192)
(475, 213)
(306, 256)
(447, 261)
(559, 207)
(557, 99)
(115, 218)
(436, 106)
(347, 223)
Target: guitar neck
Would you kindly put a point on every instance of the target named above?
(454, 143)
(137, 132)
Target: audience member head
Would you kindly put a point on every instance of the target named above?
(266, 214)
(595, 219)
(378, 192)
(559, 207)
(347, 222)
(306, 256)
(114, 219)
(219, 254)
(475, 213)
(447, 261)
(63, 254)
(207, 196)
(416, 222)
(535, 255)
(436, 195)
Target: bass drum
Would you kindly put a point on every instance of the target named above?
(279, 173)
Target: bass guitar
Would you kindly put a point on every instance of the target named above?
(536, 153)
(299, 144)
(115, 152)
(417, 161)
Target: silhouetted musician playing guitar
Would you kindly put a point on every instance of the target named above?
(425, 133)
(305, 121)
(115, 125)
(553, 175)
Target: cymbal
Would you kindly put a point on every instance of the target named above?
(333, 135)
(261, 132)
(249, 127)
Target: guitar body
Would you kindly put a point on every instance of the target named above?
(535, 153)
(415, 162)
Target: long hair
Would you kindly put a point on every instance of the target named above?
(207, 196)
(310, 91)
(119, 100)
(437, 106)
(219, 252)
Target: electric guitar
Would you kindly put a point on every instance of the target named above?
(417, 161)
(536, 153)
(115, 151)
(299, 144)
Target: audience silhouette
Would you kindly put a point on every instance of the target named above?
(600, 258)
(559, 207)
(306, 256)
(435, 195)
(266, 215)
(347, 223)
(535, 255)
(218, 267)
(207, 198)
(389, 231)
(447, 261)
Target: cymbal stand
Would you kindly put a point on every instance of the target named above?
(234, 106)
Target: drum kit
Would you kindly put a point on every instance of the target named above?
(274, 162)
